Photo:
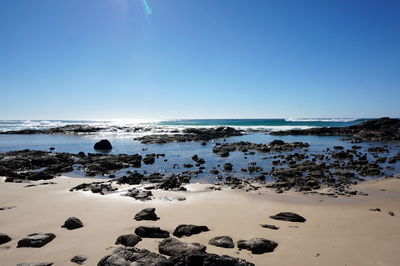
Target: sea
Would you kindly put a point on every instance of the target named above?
(177, 154)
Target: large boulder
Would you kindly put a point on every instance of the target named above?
(72, 223)
(147, 214)
(257, 245)
(189, 229)
(36, 240)
(4, 238)
(173, 247)
(222, 241)
(103, 144)
(128, 240)
(288, 216)
(151, 232)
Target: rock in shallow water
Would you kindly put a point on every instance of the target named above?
(147, 214)
(103, 144)
(257, 245)
(288, 216)
(189, 229)
(222, 241)
(36, 240)
(72, 223)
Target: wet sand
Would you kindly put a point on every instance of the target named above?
(338, 231)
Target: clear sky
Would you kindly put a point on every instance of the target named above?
(102, 59)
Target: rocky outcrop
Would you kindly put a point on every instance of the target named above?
(383, 129)
(191, 134)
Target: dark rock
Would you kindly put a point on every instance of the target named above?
(257, 245)
(391, 213)
(72, 223)
(206, 259)
(270, 226)
(228, 167)
(289, 216)
(103, 145)
(149, 159)
(36, 240)
(189, 229)
(222, 241)
(132, 179)
(375, 209)
(137, 194)
(146, 214)
(79, 259)
(125, 256)
(151, 232)
(174, 247)
(4, 238)
(128, 240)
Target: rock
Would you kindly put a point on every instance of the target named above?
(228, 167)
(103, 145)
(35, 264)
(257, 245)
(36, 240)
(142, 195)
(222, 241)
(72, 223)
(128, 255)
(151, 232)
(391, 213)
(149, 159)
(147, 214)
(4, 238)
(269, 226)
(173, 247)
(375, 209)
(128, 240)
(206, 259)
(79, 259)
(189, 229)
(289, 216)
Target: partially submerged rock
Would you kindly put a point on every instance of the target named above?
(36, 240)
(103, 144)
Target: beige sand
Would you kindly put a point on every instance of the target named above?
(339, 231)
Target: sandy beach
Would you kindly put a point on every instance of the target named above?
(338, 231)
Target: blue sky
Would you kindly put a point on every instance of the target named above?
(102, 59)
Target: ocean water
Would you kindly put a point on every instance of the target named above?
(180, 153)
(265, 124)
